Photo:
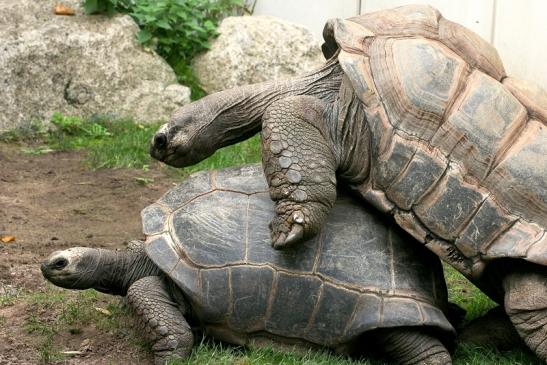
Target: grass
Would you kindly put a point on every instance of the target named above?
(466, 295)
(117, 143)
(54, 312)
(210, 353)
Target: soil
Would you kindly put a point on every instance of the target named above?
(50, 202)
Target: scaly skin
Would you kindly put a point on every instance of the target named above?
(107, 271)
(408, 346)
(161, 319)
(300, 172)
(526, 305)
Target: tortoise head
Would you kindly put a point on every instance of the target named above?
(189, 137)
(200, 128)
(74, 268)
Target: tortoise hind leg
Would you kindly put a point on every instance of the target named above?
(161, 319)
(526, 305)
(411, 346)
(300, 166)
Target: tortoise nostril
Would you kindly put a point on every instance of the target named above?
(160, 140)
(60, 264)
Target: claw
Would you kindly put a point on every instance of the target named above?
(279, 243)
(298, 217)
(294, 236)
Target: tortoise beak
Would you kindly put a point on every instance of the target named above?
(55, 263)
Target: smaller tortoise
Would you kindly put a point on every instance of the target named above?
(356, 287)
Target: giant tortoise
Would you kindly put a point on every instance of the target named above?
(356, 286)
(416, 113)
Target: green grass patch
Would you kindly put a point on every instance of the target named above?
(466, 295)
(210, 353)
(119, 143)
(475, 355)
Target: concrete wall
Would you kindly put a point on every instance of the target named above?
(518, 29)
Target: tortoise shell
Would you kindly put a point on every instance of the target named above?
(210, 236)
(458, 148)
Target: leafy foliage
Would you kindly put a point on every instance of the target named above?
(176, 29)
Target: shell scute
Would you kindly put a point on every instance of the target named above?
(154, 219)
(533, 97)
(300, 294)
(412, 20)
(247, 179)
(452, 203)
(422, 172)
(216, 294)
(416, 79)
(482, 125)
(335, 309)
(518, 240)
(518, 181)
(250, 298)
(472, 48)
(209, 230)
(195, 185)
(487, 224)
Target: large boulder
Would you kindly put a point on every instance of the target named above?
(252, 49)
(78, 65)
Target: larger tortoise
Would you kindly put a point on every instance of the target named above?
(415, 112)
(362, 287)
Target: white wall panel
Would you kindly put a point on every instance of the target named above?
(313, 14)
(520, 35)
(476, 15)
(518, 29)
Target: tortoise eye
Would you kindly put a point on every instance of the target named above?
(60, 264)
(160, 140)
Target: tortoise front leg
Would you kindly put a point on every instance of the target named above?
(526, 305)
(161, 318)
(299, 164)
(411, 346)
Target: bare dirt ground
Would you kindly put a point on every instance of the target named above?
(50, 202)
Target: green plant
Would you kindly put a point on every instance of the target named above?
(176, 29)
(72, 125)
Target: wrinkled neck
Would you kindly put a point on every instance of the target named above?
(115, 271)
(350, 135)
(240, 109)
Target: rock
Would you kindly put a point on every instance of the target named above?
(252, 49)
(78, 65)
